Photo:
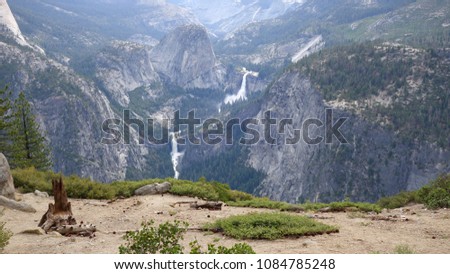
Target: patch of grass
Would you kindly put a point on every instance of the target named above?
(257, 202)
(403, 249)
(269, 226)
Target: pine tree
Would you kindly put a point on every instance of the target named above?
(5, 125)
(28, 146)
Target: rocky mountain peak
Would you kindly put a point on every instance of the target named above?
(9, 26)
(186, 57)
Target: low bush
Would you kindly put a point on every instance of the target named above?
(269, 226)
(399, 200)
(5, 235)
(165, 239)
(403, 249)
(434, 195)
(29, 179)
(240, 248)
(283, 206)
(437, 193)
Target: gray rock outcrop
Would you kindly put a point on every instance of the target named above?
(153, 189)
(6, 180)
(185, 56)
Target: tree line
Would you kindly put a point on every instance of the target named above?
(21, 140)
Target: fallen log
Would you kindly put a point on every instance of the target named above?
(390, 218)
(207, 205)
(21, 206)
(81, 230)
(183, 203)
(200, 205)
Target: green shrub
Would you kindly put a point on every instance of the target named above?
(151, 240)
(201, 190)
(269, 226)
(437, 193)
(346, 205)
(403, 249)
(434, 195)
(240, 248)
(165, 238)
(5, 235)
(283, 206)
(400, 200)
(29, 179)
(260, 203)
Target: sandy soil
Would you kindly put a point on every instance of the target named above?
(425, 231)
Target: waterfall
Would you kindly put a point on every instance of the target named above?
(242, 93)
(175, 155)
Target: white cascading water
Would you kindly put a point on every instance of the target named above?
(242, 93)
(175, 155)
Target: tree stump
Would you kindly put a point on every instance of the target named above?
(59, 216)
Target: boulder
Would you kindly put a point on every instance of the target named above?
(153, 189)
(6, 180)
(41, 194)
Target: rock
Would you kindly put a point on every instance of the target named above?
(153, 189)
(163, 188)
(55, 234)
(6, 180)
(41, 194)
(21, 206)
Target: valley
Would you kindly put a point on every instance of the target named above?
(383, 65)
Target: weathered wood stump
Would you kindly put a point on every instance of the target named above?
(59, 216)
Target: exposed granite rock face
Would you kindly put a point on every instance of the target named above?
(6, 180)
(185, 56)
(123, 67)
(71, 111)
(374, 163)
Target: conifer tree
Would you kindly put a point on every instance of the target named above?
(28, 145)
(5, 125)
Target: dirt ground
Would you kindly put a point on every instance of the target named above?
(426, 231)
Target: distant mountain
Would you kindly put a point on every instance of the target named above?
(10, 28)
(71, 29)
(225, 17)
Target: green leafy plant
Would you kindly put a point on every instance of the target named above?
(5, 235)
(434, 195)
(403, 249)
(165, 238)
(239, 248)
(269, 226)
